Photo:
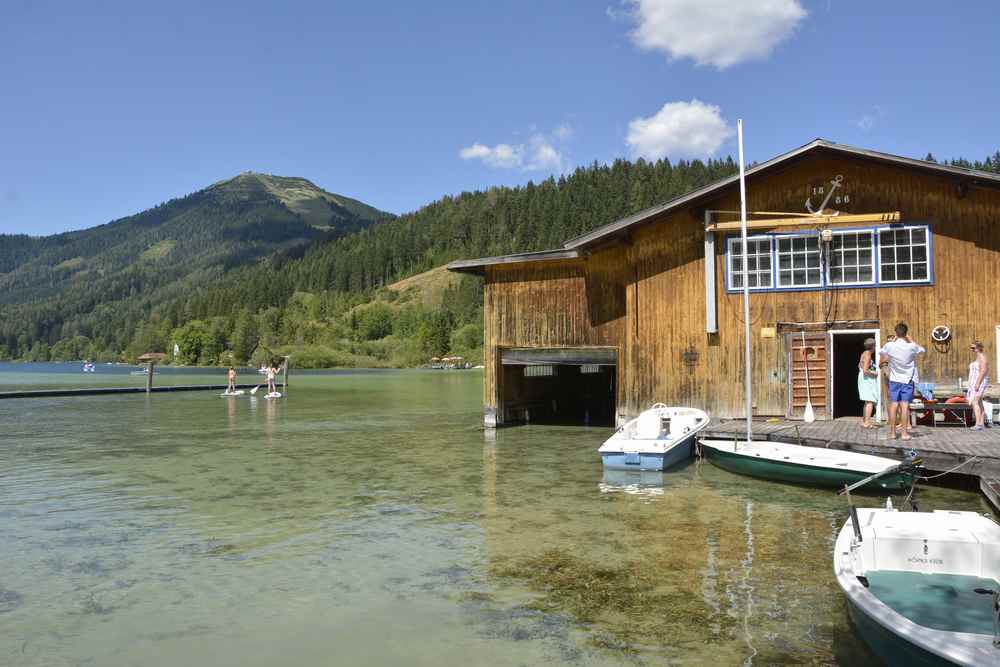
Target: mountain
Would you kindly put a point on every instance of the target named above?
(112, 274)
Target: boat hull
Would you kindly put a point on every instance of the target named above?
(887, 645)
(680, 452)
(797, 473)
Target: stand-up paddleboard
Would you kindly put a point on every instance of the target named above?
(230, 394)
(273, 394)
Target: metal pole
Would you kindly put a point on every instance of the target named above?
(748, 377)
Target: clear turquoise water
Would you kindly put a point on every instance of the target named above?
(368, 519)
(940, 601)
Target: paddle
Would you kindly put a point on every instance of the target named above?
(254, 390)
(808, 415)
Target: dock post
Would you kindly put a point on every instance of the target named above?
(149, 377)
(284, 376)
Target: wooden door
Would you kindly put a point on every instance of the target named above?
(818, 366)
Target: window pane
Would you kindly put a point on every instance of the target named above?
(784, 245)
(903, 254)
(812, 260)
(865, 256)
(902, 237)
(851, 257)
(813, 277)
(919, 253)
(888, 272)
(851, 274)
(919, 236)
(836, 275)
(752, 263)
(765, 263)
(865, 274)
(888, 255)
(903, 272)
(920, 271)
(799, 261)
(784, 261)
(850, 240)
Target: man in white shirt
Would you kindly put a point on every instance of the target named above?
(900, 355)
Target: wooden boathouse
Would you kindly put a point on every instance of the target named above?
(844, 243)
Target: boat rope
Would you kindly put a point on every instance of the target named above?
(946, 472)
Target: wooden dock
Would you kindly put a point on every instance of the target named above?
(101, 391)
(941, 448)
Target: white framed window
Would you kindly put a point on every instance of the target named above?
(798, 261)
(852, 258)
(903, 255)
(758, 263)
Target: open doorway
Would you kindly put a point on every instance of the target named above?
(563, 386)
(846, 348)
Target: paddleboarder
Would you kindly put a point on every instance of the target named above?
(231, 389)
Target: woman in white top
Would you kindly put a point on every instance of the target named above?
(979, 380)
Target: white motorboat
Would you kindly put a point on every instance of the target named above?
(660, 437)
(922, 587)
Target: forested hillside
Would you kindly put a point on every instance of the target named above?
(291, 288)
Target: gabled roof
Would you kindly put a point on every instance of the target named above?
(477, 265)
(577, 247)
(818, 145)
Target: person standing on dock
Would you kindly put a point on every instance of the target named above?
(231, 389)
(979, 380)
(900, 355)
(868, 389)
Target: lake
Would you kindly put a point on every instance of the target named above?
(368, 519)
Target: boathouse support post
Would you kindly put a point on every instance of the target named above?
(284, 376)
(149, 376)
(711, 312)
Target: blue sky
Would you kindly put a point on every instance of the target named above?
(109, 108)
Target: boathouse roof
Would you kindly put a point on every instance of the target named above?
(577, 246)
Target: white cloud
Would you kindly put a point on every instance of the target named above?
(872, 118)
(714, 32)
(539, 153)
(503, 156)
(679, 129)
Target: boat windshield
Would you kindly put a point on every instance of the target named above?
(939, 601)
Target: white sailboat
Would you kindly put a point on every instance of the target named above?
(922, 587)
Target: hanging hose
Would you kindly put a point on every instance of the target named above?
(946, 472)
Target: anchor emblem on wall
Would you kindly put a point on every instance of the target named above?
(829, 194)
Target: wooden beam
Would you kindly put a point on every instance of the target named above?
(822, 220)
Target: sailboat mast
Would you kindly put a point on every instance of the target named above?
(748, 377)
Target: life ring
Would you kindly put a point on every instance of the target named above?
(941, 333)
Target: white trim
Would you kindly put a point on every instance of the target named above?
(877, 335)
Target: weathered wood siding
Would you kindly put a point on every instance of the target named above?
(572, 303)
(647, 295)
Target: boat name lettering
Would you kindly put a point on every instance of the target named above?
(926, 561)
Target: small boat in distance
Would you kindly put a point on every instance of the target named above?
(142, 371)
(88, 367)
(921, 587)
(660, 437)
(811, 466)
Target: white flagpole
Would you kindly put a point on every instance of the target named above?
(748, 377)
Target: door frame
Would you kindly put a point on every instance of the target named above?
(878, 346)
